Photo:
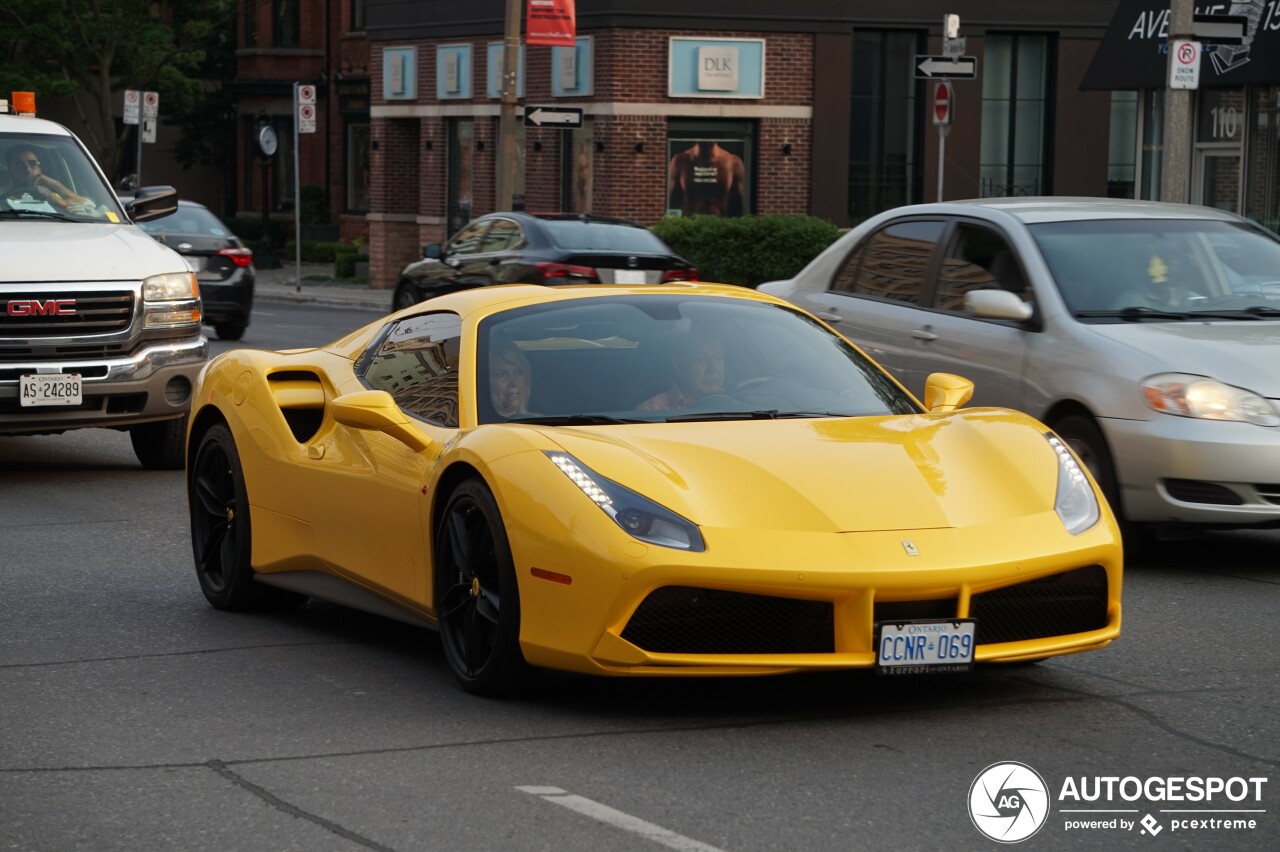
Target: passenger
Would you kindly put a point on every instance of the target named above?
(29, 183)
(510, 381)
(699, 368)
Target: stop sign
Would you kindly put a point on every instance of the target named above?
(943, 99)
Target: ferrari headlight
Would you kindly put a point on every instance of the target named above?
(1207, 399)
(1075, 503)
(170, 287)
(637, 515)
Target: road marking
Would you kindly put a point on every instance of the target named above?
(618, 819)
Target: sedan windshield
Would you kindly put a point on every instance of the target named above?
(46, 176)
(1163, 269)
(658, 358)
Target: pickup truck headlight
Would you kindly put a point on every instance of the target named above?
(1207, 399)
(1075, 502)
(638, 516)
(171, 299)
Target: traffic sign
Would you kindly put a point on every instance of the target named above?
(953, 47)
(1219, 29)
(306, 93)
(943, 102)
(148, 130)
(150, 104)
(306, 118)
(553, 116)
(132, 106)
(939, 67)
(1184, 70)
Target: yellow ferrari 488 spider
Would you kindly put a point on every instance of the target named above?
(669, 480)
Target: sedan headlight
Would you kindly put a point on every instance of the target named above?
(1207, 399)
(170, 287)
(638, 516)
(1075, 502)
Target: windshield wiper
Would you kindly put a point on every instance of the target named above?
(767, 414)
(1138, 312)
(573, 420)
(39, 214)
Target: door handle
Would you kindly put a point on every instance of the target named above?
(829, 316)
(923, 334)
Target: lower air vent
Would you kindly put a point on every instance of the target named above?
(1058, 605)
(1191, 491)
(1270, 493)
(686, 620)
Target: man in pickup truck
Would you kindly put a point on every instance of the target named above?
(28, 183)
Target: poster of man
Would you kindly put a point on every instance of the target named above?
(706, 176)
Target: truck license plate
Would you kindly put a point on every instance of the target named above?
(925, 647)
(50, 389)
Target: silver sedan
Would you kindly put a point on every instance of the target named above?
(1147, 335)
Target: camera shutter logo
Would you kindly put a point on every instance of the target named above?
(1008, 802)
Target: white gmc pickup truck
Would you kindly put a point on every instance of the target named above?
(99, 322)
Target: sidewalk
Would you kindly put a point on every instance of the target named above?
(318, 287)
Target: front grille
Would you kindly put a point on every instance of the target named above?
(915, 610)
(686, 620)
(1058, 605)
(1191, 491)
(1270, 493)
(96, 312)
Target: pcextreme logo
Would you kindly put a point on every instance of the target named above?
(1009, 802)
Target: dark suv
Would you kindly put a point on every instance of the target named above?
(541, 248)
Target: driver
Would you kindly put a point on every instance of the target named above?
(699, 368)
(28, 182)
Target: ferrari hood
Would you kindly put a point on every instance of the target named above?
(41, 251)
(1242, 353)
(831, 475)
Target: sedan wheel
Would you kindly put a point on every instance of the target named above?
(221, 537)
(477, 600)
(406, 296)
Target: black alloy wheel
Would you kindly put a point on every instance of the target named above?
(478, 602)
(221, 537)
(406, 296)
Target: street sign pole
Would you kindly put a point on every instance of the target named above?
(1175, 164)
(507, 159)
(297, 194)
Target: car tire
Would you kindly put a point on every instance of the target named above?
(159, 445)
(230, 330)
(221, 533)
(406, 296)
(477, 597)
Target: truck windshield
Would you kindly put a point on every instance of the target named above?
(44, 174)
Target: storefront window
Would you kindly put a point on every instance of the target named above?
(1015, 110)
(1152, 143)
(1122, 160)
(577, 164)
(284, 23)
(357, 167)
(461, 171)
(884, 133)
(709, 168)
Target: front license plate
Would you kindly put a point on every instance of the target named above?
(50, 389)
(925, 647)
(628, 276)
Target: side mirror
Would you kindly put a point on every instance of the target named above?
(152, 202)
(432, 251)
(997, 304)
(377, 411)
(945, 392)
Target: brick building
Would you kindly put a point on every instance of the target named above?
(823, 108)
(322, 43)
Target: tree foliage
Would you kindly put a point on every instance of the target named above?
(95, 49)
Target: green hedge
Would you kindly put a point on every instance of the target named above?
(320, 252)
(747, 250)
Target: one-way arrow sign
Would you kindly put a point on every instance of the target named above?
(937, 67)
(553, 116)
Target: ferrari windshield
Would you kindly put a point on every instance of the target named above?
(660, 357)
(46, 176)
(1163, 269)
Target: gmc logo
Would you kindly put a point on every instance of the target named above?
(35, 307)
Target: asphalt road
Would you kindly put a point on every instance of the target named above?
(133, 716)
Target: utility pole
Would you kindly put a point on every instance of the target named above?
(1176, 159)
(507, 157)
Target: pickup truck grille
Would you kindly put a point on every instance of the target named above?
(40, 314)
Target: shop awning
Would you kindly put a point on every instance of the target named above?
(1132, 53)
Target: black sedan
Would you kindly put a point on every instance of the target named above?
(222, 263)
(541, 248)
